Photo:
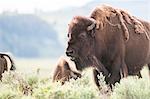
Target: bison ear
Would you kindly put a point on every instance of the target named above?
(91, 27)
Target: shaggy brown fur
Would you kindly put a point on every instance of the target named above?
(110, 40)
(63, 71)
(3, 63)
(104, 12)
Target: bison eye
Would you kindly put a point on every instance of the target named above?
(82, 35)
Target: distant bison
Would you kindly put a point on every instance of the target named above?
(64, 71)
(111, 41)
(4, 63)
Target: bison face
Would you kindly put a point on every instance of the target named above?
(81, 33)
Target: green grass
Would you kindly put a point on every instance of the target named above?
(44, 67)
(30, 82)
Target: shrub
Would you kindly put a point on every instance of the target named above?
(18, 86)
(74, 89)
(132, 88)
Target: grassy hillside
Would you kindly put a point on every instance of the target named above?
(26, 35)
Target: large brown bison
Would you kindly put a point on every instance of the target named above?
(4, 63)
(111, 41)
(64, 71)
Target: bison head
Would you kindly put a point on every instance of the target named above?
(81, 38)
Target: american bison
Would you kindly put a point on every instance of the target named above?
(64, 71)
(111, 41)
(3, 63)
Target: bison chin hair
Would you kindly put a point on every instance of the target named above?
(84, 62)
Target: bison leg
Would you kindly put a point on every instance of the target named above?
(95, 75)
(149, 69)
(115, 76)
(99, 66)
(123, 70)
(139, 75)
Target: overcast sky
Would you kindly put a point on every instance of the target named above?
(29, 6)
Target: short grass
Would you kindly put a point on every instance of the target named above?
(31, 66)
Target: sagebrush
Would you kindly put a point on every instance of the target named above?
(16, 85)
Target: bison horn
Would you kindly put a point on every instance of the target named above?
(92, 26)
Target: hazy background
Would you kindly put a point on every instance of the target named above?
(38, 28)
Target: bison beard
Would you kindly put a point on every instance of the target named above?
(63, 71)
(3, 63)
(121, 43)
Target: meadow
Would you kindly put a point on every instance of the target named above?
(33, 80)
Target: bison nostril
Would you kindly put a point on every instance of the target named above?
(69, 53)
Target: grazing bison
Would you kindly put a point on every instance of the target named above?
(111, 41)
(64, 71)
(3, 63)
